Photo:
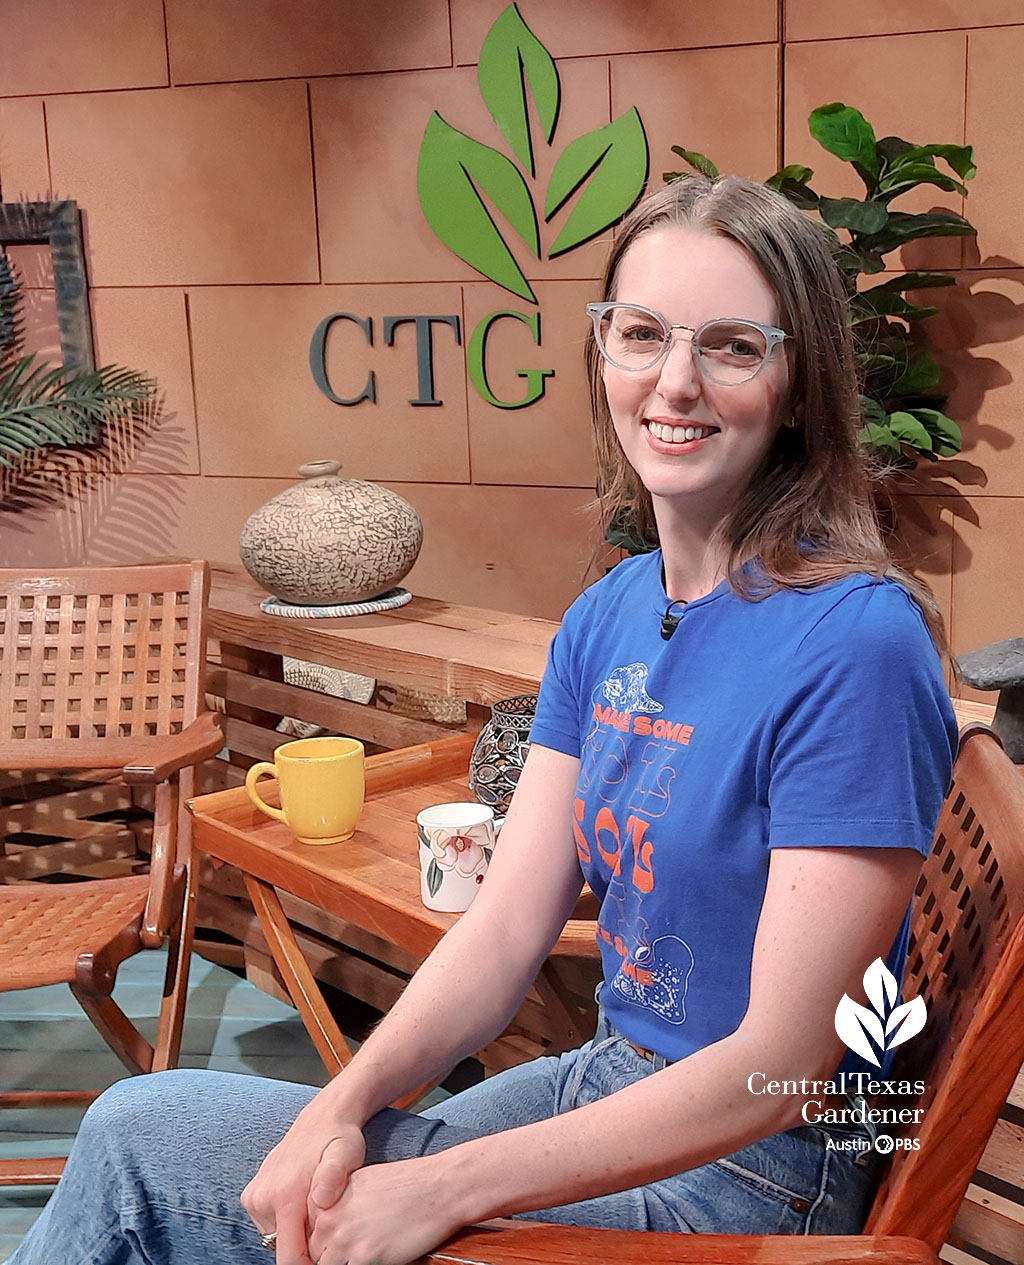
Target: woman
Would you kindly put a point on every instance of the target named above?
(743, 740)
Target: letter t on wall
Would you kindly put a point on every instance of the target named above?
(424, 349)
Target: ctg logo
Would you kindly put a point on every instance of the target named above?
(493, 207)
(872, 1033)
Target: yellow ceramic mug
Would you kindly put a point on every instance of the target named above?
(322, 783)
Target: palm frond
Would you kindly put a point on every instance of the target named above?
(47, 406)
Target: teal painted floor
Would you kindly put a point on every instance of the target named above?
(47, 1043)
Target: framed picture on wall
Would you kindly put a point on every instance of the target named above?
(57, 225)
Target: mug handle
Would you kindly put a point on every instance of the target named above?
(255, 772)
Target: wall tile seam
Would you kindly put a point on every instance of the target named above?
(953, 496)
(612, 54)
(287, 478)
(205, 83)
(43, 93)
(302, 78)
(313, 179)
(886, 35)
(167, 42)
(190, 345)
(993, 273)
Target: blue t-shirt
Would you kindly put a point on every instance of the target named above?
(813, 717)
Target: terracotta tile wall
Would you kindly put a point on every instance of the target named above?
(245, 170)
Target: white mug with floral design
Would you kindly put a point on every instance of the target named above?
(456, 842)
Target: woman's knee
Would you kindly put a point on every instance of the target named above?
(163, 1104)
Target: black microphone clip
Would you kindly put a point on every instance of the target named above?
(670, 622)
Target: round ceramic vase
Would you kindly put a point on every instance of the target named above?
(330, 540)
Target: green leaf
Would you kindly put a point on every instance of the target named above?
(891, 148)
(792, 181)
(906, 427)
(904, 228)
(845, 132)
(869, 305)
(435, 876)
(851, 213)
(921, 374)
(613, 162)
(511, 53)
(908, 175)
(699, 162)
(880, 436)
(453, 171)
(915, 281)
(870, 261)
(959, 157)
(949, 439)
(793, 172)
(872, 410)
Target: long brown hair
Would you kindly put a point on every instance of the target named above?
(808, 515)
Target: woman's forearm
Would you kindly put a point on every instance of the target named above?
(460, 999)
(674, 1120)
(469, 988)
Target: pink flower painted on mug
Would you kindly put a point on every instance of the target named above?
(458, 852)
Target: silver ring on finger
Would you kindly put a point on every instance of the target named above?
(269, 1241)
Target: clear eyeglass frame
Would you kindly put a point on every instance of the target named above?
(772, 336)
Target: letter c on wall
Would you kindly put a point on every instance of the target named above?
(318, 358)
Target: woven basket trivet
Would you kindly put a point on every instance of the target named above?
(388, 601)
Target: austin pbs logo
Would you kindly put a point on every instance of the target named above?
(873, 1033)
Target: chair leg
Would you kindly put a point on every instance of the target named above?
(179, 957)
(114, 1026)
(95, 975)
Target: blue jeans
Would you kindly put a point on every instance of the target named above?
(158, 1165)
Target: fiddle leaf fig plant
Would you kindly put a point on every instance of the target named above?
(901, 397)
(45, 406)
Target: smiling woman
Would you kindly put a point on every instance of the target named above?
(703, 755)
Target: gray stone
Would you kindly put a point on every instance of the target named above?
(1000, 666)
(994, 667)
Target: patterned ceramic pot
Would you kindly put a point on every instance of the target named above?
(500, 750)
(329, 540)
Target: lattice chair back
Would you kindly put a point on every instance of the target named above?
(102, 669)
(966, 959)
(99, 654)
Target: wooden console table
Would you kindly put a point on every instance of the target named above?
(456, 652)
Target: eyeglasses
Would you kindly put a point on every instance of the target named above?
(725, 350)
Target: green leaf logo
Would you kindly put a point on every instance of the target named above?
(462, 183)
(454, 170)
(614, 160)
(510, 52)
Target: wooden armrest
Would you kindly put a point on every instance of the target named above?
(142, 760)
(202, 739)
(535, 1243)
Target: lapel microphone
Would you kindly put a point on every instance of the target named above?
(670, 622)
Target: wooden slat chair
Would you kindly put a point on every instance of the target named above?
(103, 669)
(966, 959)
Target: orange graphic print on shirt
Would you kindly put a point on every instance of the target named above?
(626, 790)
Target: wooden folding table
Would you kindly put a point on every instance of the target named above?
(372, 880)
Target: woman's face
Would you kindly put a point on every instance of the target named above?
(690, 277)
